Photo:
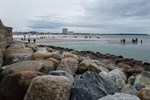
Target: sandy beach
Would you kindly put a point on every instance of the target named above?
(67, 38)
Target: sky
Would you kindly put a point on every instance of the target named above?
(92, 16)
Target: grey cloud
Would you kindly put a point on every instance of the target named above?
(118, 8)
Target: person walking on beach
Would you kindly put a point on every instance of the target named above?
(34, 40)
(141, 41)
(28, 40)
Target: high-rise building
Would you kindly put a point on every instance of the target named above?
(64, 30)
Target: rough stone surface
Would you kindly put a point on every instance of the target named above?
(113, 79)
(34, 47)
(17, 58)
(120, 96)
(55, 61)
(91, 86)
(11, 52)
(1, 58)
(43, 66)
(129, 89)
(144, 94)
(69, 55)
(124, 66)
(68, 64)
(5, 39)
(14, 86)
(49, 88)
(120, 77)
(62, 73)
(41, 56)
(111, 66)
(143, 78)
(131, 80)
(91, 65)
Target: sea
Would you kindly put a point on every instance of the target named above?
(136, 51)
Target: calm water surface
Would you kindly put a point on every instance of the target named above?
(136, 51)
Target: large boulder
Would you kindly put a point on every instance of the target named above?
(91, 86)
(129, 89)
(69, 55)
(34, 47)
(120, 96)
(62, 73)
(14, 86)
(124, 66)
(68, 64)
(120, 77)
(143, 78)
(144, 94)
(10, 52)
(49, 87)
(55, 61)
(91, 65)
(114, 79)
(41, 56)
(17, 58)
(43, 66)
(13, 55)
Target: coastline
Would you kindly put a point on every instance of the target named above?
(51, 70)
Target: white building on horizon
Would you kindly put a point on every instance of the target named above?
(64, 30)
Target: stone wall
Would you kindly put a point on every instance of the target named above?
(5, 39)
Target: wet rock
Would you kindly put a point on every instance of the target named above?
(14, 86)
(144, 94)
(91, 65)
(34, 47)
(62, 73)
(49, 88)
(43, 66)
(120, 96)
(147, 66)
(143, 78)
(124, 66)
(68, 64)
(91, 86)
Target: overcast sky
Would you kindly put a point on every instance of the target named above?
(97, 16)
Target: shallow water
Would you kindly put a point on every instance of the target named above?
(136, 51)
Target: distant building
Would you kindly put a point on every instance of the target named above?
(71, 32)
(64, 30)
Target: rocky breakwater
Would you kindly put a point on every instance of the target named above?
(37, 72)
(5, 39)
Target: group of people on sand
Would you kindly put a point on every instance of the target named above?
(134, 41)
(29, 40)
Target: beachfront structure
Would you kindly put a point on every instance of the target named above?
(64, 30)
